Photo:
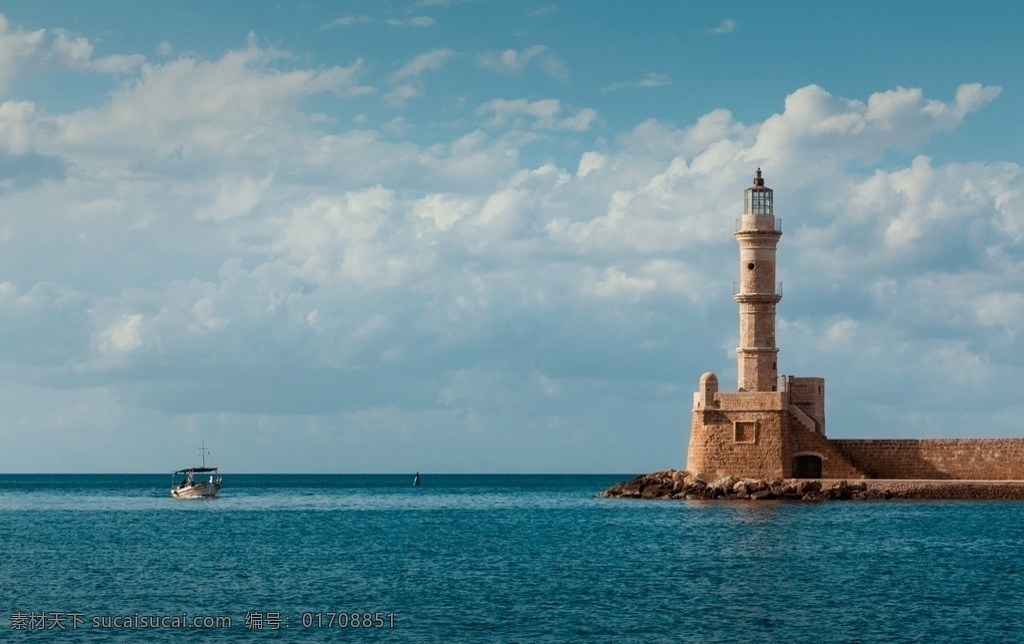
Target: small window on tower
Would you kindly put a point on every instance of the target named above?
(750, 266)
(745, 431)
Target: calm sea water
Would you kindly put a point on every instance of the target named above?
(493, 559)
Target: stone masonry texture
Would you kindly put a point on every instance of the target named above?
(937, 458)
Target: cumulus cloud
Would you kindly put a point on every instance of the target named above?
(17, 46)
(344, 238)
(47, 326)
(123, 336)
(952, 216)
(235, 198)
(589, 162)
(544, 114)
(443, 210)
(826, 129)
(615, 283)
(222, 105)
(75, 52)
(20, 49)
(202, 231)
(19, 126)
(512, 61)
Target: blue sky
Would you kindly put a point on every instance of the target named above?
(493, 236)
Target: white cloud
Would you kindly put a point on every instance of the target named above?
(725, 27)
(204, 313)
(223, 106)
(544, 114)
(398, 125)
(430, 61)
(347, 21)
(819, 128)
(654, 80)
(116, 64)
(16, 47)
(20, 49)
(999, 308)
(407, 77)
(589, 162)
(613, 283)
(649, 79)
(18, 126)
(73, 52)
(512, 61)
(345, 238)
(235, 197)
(401, 94)
(124, 335)
(955, 214)
(413, 21)
(542, 11)
(443, 210)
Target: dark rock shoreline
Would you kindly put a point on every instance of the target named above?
(676, 484)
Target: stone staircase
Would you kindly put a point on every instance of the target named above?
(805, 437)
(804, 419)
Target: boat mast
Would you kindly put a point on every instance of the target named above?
(203, 451)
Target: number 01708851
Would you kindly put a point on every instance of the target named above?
(348, 619)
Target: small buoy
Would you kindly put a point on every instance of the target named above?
(416, 480)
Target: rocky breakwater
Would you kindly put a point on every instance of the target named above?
(676, 484)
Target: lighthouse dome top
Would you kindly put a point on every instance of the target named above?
(758, 198)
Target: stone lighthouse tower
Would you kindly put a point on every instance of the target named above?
(757, 292)
(772, 425)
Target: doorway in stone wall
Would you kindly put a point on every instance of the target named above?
(807, 466)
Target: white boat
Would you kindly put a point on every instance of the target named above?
(196, 482)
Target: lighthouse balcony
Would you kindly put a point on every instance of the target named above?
(754, 224)
(739, 288)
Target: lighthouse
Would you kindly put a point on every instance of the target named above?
(771, 426)
(757, 292)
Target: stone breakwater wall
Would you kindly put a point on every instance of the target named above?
(997, 459)
(677, 484)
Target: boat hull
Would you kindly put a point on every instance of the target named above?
(205, 490)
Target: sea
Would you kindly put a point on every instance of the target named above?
(493, 558)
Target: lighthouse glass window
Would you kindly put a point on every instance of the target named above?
(759, 202)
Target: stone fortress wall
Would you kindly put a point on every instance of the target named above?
(986, 459)
(757, 435)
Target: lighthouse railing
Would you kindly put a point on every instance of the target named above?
(739, 227)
